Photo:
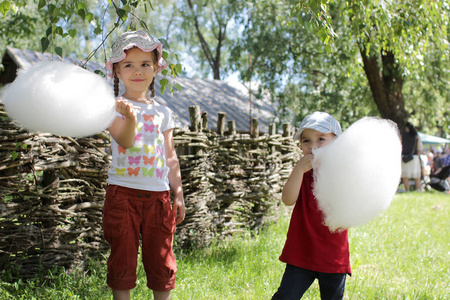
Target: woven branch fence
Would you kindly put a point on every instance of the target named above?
(52, 189)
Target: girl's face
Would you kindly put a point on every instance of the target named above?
(311, 139)
(137, 69)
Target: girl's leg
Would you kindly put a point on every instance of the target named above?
(294, 284)
(161, 295)
(121, 294)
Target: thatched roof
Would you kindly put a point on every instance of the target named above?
(212, 96)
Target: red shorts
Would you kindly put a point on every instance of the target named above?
(129, 214)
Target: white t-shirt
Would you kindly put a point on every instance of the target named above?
(143, 165)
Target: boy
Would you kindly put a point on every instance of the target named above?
(311, 250)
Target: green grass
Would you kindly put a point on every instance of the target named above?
(403, 254)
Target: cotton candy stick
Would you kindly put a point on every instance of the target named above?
(357, 175)
(60, 98)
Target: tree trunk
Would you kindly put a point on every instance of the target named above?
(214, 62)
(386, 84)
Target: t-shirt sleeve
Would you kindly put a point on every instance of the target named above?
(168, 122)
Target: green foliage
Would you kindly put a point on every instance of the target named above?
(415, 32)
(311, 59)
(73, 27)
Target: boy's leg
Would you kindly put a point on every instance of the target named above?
(294, 283)
(332, 286)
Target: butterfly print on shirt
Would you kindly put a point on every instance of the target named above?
(134, 172)
(134, 160)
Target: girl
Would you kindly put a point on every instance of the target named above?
(143, 170)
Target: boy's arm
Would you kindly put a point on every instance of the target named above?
(123, 129)
(178, 206)
(292, 186)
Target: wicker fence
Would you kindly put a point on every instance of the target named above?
(52, 189)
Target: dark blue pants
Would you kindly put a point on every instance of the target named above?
(296, 281)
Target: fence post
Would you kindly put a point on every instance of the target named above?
(221, 123)
(194, 113)
(272, 131)
(255, 128)
(287, 129)
(205, 121)
(231, 127)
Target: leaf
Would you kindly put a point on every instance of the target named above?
(81, 5)
(59, 30)
(99, 72)
(90, 17)
(98, 30)
(82, 13)
(72, 32)
(44, 44)
(165, 55)
(14, 155)
(150, 3)
(163, 82)
(59, 51)
(144, 25)
(178, 87)
(49, 31)
(4, 7)
(41, 4)
(179, 68)
(122, 13)
(165, 43)
(169, 85)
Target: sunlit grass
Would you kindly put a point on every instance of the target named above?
(403, 254)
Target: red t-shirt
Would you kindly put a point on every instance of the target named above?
(309, 243)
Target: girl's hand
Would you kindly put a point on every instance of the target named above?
(126, 108)
(178, 209)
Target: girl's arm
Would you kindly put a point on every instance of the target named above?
(292, 187)
(174, 177)
(123, 129)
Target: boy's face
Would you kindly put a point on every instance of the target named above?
(311, 139)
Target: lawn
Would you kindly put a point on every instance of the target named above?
(403, 254)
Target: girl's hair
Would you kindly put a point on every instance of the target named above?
(151, 88)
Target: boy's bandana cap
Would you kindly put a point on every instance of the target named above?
(320, 121)
(139, 39)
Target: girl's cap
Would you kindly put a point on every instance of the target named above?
(320, 121)
(139, 39)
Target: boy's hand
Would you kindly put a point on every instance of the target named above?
(305, 163)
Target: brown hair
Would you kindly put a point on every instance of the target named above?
(151, 88)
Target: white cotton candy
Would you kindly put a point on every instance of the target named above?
(357, 175)
(60, 98)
